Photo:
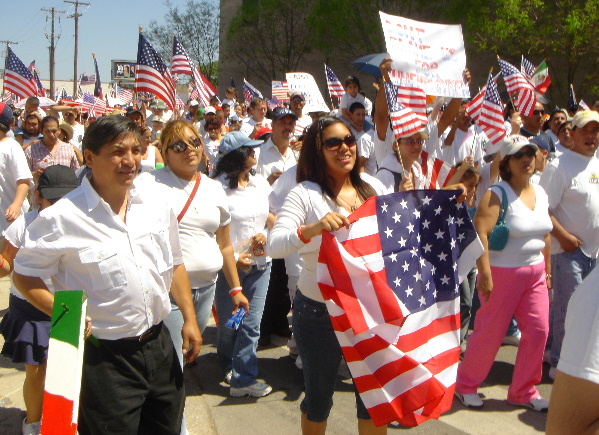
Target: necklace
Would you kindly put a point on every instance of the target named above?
(351, 207)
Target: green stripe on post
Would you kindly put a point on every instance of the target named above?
(66, 316)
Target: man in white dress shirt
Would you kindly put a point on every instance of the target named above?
(119, 243)
(276, 155)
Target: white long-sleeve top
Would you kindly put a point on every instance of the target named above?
(306, 204)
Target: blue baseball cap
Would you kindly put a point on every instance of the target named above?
(236, 139)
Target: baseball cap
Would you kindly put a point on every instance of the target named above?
(6, 115)
(194, 103)
(236, 139)
(209, 110)
(281, 112)
(132, 110)
(234, 118)
(56, 181)
(583, 117)
(511, 145)
(297, 94)
(158, 119)
(541, 141)
(423, 134)
(262, 132)
(159, 104)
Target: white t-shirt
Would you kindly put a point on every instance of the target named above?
(247, 127)
(580, 348)
(572, 184)
(465, 143)
(78, 132)
(390, 165)
(207, 212)
(347, 100)
(13, 167)
(527, 229)
(366, 150)
(301, 124)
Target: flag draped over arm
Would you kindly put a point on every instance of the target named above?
(152, 75)
(391, 285)
(17, 78)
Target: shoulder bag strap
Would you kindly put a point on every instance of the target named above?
(191, 196)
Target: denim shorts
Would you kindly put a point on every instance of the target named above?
(321, 355)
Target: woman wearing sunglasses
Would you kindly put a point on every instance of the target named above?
(512, 281)
(247, 196)
(330, 188)
(203, 214)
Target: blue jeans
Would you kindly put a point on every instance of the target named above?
(236, 350)
(321, 355)
(569, 269)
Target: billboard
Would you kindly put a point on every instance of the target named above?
(123, 70)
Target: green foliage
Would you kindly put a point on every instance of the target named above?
(196, 25)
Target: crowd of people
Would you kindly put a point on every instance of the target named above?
(164, 217)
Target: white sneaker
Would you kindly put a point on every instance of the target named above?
(259, 389)
(539, 404)
(228, 377)
(470, 400)
(552, 373)
(512, 340)
(31, 428)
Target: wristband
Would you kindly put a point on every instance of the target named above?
(235, 290)
(234, 293)
(301, 236)
(3, 260)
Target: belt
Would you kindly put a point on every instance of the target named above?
(148, 335)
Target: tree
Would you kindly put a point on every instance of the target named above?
(270, 37)
(197, 27)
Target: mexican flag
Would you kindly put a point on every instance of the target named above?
(65, 361)
(540, 78)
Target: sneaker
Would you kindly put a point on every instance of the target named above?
(31, 428)
(470, 400)
(259, 389)
(512, 340)
(228, 377)
(539, 404)
(552, 373)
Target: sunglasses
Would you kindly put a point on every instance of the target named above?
(181, 147)
(529, 153)
(412, 142)
(538, 112)
(334, 143)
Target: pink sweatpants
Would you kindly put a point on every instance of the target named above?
(521, 291)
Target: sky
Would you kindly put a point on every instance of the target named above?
(108, 28)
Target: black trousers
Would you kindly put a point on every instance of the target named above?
(278, 304)
(130, 387)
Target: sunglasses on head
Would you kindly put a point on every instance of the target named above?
(529, 153)
(181, 147)
(334, 143)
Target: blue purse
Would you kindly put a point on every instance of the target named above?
(500, 234)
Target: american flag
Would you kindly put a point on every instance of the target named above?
(474, 107)
(152, 74)
(17, 78)
(125, 95)
(411, 97)
(79, 92)
(250, 92)
(63, 94)
(280, 90)
(527, 68)
(391, 286)
(8, 97)
(181, 63)
(403, 120)
(436, 172)
(98, 91)
(86, 79)
(94, 104)
(516, 83)
(32, 67)
(335, 87)
(41, 91)
(491, 116)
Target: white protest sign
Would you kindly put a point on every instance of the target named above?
(305, 83)
(429, 56)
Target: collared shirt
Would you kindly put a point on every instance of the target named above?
(63, 155)
(270, 159)
(126, 269)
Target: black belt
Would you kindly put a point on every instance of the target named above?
(148, 335)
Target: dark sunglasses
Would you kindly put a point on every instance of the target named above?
(334, 143)
(181, 147)
(529, 153)
(538, 112)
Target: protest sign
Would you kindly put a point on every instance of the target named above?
(305, 83)
(428, 56)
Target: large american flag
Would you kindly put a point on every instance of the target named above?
(280, 90)
(98, 91)
(17, 78)
(391, 286)
(491, 115)
(250, 92)
(152, 74)
(405, 121)
(181, 63)
(335, 87)
(519, 85)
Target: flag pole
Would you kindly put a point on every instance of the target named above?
(328, 87)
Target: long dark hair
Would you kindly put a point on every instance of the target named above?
(312, 166)
(232, 164)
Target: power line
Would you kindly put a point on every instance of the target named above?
(76, 16)
(52, 38)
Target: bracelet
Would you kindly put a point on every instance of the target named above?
(235, 290)
(301, 236)
(3, 260)
(234, 293)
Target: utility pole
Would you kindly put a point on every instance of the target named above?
(52, 50)
(76, 16)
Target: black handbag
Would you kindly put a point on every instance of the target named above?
(500, 234)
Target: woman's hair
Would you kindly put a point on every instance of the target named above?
(143, 129)
(504, 169)
(232, 165)
(176, 129)
(311, 165)
(232, 90)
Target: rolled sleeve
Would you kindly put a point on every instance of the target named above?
(39, 257)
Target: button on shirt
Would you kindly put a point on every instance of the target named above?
(125, 269)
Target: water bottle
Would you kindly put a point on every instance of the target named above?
(259, 253)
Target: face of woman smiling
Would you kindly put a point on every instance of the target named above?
(185, 163)
(341, 161)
